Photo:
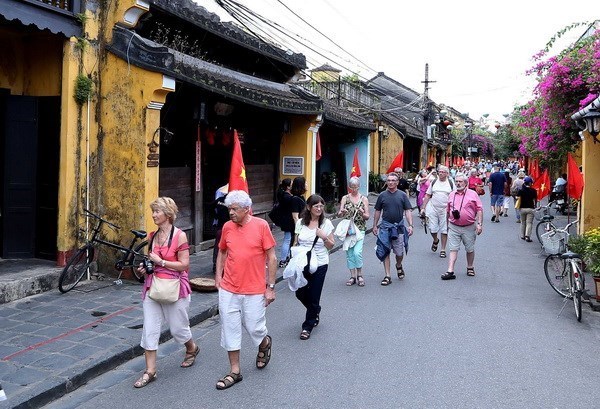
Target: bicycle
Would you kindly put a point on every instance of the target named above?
(79, 264)
(542, 213)
(563, 267)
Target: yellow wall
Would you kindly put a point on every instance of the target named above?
(31, 64)
(298, 142)
(590, 205)
(325, 76)
(391, 146)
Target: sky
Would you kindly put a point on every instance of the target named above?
(477, 51)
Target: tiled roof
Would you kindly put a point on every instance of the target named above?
(189, 11)
(345, 117)
(42, 17)
(219, 80)
(325, 67)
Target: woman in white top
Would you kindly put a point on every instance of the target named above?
(311, 225)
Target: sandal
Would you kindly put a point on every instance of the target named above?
(443, 254)
(304, 335)
(400, 271)
(386, 281)
(361, 281)
(264, 354)
(317, 320)
(449, 275)
(143, 381)
(229, 380)
(434, 246)
(470, 271)
(351, 281)
(190, 357)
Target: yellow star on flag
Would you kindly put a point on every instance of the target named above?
(543, 187)
(353, 169)
(243, 174)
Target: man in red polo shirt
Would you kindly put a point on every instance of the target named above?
(465, 223)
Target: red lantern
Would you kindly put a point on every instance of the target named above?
(446, 122)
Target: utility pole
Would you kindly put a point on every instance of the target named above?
(426, 115)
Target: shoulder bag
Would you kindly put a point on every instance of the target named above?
(164, 290)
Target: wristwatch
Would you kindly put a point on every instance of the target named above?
(271, 286)
(163, 262)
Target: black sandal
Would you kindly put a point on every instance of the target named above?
(304, 335)
(443, 254)
(361, 281)
(400, 271)
(434, 246)
(264, 354)
(351, 281)
(448, 275)
(229, 380)
(470, 271)
(386, 281)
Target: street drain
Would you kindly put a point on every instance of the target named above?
(138, 326)
(98, 313)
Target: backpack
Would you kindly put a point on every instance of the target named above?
(275, 215)
(449, 180)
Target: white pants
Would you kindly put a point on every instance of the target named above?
(176, 317)
(236, 310)
(438, 220)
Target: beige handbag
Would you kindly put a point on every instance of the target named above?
(164, 290)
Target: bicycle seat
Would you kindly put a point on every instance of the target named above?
(140, 234)
(570, 255)
(547, 218)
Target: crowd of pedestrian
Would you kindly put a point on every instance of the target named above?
(449, 201)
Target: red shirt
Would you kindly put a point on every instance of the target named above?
(468, 204)
(247, 245)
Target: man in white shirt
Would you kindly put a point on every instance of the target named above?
(434, 207)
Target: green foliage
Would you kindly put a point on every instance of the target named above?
(81, 44)
(351, 78)
(81, 18)
(592, 251)
(375, 183)
(83, 88)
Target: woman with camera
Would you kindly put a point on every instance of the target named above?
(465, 223)
(168, 258)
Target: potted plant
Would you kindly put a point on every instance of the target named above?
(592, 254)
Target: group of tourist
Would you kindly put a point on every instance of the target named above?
(246, 262)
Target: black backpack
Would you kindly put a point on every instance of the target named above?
(275, 214)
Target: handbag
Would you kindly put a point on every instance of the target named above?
(164, 290)
(480, 190)
(311, 262)
(518, 203)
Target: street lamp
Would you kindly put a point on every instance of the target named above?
(592, 124)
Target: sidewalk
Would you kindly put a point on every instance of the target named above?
(53, 343)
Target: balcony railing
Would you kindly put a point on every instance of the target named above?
(68, 6)
(343, 93)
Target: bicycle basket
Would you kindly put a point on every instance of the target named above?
(540, 213)
(554, 242)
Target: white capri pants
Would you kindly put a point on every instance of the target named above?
(176, 317)
(236, 310)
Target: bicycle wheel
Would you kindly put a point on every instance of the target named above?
(539, 230)
(76, 268)
(578, 287)
(577, 303)
(134, 260)
(555, 269)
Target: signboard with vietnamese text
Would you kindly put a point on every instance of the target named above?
(293, 165)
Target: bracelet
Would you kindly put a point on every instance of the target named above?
(163, 262)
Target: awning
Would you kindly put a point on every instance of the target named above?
(343, 116)
(43, 17)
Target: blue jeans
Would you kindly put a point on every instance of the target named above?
(285, 246)
(310, 296)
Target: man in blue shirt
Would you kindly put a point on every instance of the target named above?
(496, 184)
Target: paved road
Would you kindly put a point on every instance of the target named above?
(494, 340)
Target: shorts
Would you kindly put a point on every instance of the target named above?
(437, 220)
(237, 310)
(497, 200)
(461, 234)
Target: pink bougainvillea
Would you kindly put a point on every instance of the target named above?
(566, 83)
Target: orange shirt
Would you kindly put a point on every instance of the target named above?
(246, 246)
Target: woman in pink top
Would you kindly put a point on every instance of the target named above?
(169, 252)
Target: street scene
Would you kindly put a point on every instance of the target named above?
(213, 203)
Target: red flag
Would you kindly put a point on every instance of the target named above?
(237, 173)
(542, 185)
(355, 171)
(318, 147)
(534, 170)
(397, 162)
(574, 179)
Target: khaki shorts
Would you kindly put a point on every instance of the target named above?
(461, 234)
(438, 220)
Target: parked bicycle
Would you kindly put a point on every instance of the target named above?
(80, 263)
(563, 267)
(542, 214)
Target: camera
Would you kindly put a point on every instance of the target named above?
(456, 214)
(148, 265)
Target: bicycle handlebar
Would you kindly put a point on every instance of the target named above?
(91, 214)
